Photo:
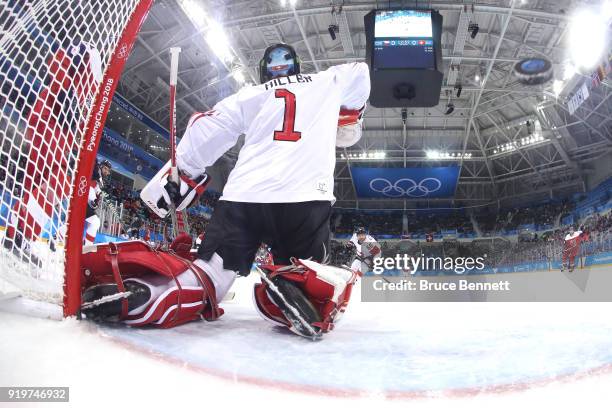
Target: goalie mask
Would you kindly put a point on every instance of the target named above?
(278, 61)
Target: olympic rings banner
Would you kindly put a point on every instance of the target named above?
(405, 183)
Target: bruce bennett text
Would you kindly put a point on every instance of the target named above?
(423, 285)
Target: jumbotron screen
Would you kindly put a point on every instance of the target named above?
(403, 39)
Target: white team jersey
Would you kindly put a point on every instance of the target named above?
(355, 241)
(95, 191)
(569, 236)
(290, 125)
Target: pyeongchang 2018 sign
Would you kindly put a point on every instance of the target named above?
(405, 183)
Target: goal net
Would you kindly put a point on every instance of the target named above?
(60, 62)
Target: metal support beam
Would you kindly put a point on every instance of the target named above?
(460, 38)
(345, 33)
(486, 159)
(367, 6)
(348, 166)
(301, 28)
(519, 150)
(484, 82)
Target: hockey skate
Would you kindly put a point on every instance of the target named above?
(104, 302)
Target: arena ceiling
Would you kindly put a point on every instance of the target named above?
(491, 111)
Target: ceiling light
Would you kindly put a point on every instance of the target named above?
(606, 9)
(557, 87)
(569, 71)
(195, 12)
(587, 38)
(218, 42)
(238, 76)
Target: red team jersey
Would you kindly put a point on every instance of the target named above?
(571, 246)
(53, 123)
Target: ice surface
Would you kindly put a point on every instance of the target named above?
(433, 354)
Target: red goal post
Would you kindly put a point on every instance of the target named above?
(50, 128)
(87, 159)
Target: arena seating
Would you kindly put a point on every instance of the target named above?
(548, 221)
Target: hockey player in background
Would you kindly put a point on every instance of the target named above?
(54, 123)
(279, 192)
(96, 194)
(571, 248)
(366, 249)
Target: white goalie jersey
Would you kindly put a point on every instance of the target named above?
(290, 126)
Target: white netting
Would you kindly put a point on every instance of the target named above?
(53, 54)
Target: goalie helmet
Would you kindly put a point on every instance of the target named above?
(278, 60)
(106, 163)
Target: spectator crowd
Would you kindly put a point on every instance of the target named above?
(138, 221)
(534, 245)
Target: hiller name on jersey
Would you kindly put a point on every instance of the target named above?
(283, 81)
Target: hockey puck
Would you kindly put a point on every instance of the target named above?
(533, 71)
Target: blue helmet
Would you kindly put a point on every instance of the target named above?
(279, 60)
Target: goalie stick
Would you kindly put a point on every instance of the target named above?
(174, 174)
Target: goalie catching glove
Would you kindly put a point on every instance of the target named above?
(349, 127)
(161, 193)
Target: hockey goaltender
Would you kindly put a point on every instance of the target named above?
(280, 192)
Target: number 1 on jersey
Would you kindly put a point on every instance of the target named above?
(288, 134)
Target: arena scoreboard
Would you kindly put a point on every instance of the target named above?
(404, 54)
